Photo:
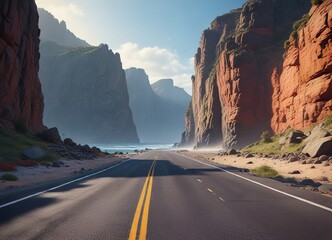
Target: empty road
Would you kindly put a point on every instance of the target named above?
(164, 195)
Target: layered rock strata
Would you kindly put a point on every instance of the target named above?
(21, 99)
(232, 89)
(302, 88)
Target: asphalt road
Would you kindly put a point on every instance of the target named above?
(163, 195)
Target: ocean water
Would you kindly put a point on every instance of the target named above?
(111, 148)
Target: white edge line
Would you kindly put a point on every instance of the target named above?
(209, 190)
(265, 186)
(64, 184)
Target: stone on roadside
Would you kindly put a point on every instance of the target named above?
(316, 148)
(295, 137)
(34, 153)
(318, 162)
(323, 158)
(50, 135)
(57, 164)
(325, 188)
(294, 159)
(317, 133)
(232, 152)
(250, 162)
(249, 155)
(295, 172)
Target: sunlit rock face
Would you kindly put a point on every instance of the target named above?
(55, 31)
(303, 86)
(20, 91)
(158, 109)
(231, 102)
(86, 95)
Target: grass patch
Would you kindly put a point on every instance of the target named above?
(50, 157)
(328, 122)
(265, 171)
(13, 145)
(269, 145)
(9, 177)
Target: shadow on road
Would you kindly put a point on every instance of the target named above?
(134, 168)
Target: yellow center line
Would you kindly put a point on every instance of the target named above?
(145, 195)
(145, 216)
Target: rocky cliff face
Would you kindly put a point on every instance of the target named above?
(158, 115)
(55, 31)
(303, 86)
(165, 89)
(86, 96)
(232, 90)
(20, 91)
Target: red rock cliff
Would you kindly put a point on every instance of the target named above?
(231, 102)
(302, 89)
(20, 90)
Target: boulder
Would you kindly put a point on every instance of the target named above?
(296, 137)
(325, 188)
(50, 135)
(249, 155)
(69, 142)
(34, 153)
(323, 158)
(232, 152)
(317, 133)
(316, 148)
(294, 159)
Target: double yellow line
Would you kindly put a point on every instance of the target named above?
(144, 199)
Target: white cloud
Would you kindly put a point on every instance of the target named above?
(61, 9)
(158, 63)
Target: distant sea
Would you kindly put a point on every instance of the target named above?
(111, 148)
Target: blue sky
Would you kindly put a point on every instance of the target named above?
(159, 36)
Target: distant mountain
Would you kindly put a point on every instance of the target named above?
(86, 95)
(158, 117)
(55, 31)
(165, 89)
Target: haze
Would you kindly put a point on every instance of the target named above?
(158, 36)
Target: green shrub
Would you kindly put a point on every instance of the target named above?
(328, 122)
(265, 171)
(316, 2)
(301, 23)
(9, 177)
(50, 157)
(20, 125)
(286, 44)
(266, 137)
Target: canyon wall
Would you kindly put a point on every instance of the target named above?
(158, 108)
(303, 86)
(231, 103)
(21, 99)
(86, 96)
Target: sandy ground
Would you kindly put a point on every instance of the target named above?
(320, 173)
(31, 175)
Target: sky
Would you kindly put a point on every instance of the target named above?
(160, 36)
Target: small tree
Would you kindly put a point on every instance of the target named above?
(266, 137)
(316, 2)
